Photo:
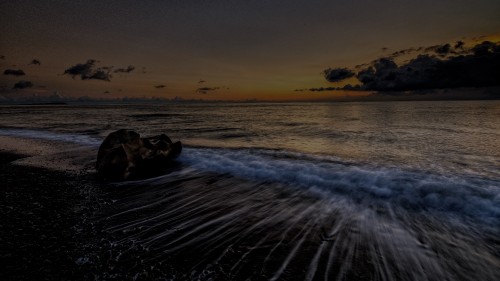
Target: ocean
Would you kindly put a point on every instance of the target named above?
(297, 191)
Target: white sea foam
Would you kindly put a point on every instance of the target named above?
(411, 190)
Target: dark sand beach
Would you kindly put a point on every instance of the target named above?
(41, 212)
(46, 209)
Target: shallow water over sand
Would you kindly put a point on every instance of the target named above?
(216, 226)
(354, 191)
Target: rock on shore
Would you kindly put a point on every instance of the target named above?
(125, 155)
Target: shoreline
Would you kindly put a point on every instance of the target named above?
(52, 155)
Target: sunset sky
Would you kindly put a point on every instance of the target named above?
(218, 49)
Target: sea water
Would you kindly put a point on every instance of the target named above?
(303, 191)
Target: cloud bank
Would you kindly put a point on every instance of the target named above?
(436, 67)
(337, 74)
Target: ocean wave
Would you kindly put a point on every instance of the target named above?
(417, 191)
(51, 136)
(155, 115)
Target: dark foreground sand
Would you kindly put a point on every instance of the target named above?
(41, 212)
(48, 199)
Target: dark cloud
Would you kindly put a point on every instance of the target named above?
(401, 52)
(383, 69)
(486, 48)
(81, 69)
(15, 72)
(350, 87)
(89, 71)
(337, 74)
(2, 57)
(205, 90)
(347, 87)
(100, 74)
(478, 66)
(481, 68)
(443, 49)
(459, 45)
(23, 85)
(129, 69)
(160, 86)
(35, 62)
(320, 89)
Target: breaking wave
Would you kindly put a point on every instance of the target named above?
(418, 191)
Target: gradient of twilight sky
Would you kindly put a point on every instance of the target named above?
(244, 49)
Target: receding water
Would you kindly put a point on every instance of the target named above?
(301, 191)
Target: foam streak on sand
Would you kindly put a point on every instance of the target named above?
(245, 229)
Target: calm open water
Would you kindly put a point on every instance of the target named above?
(302, 191)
